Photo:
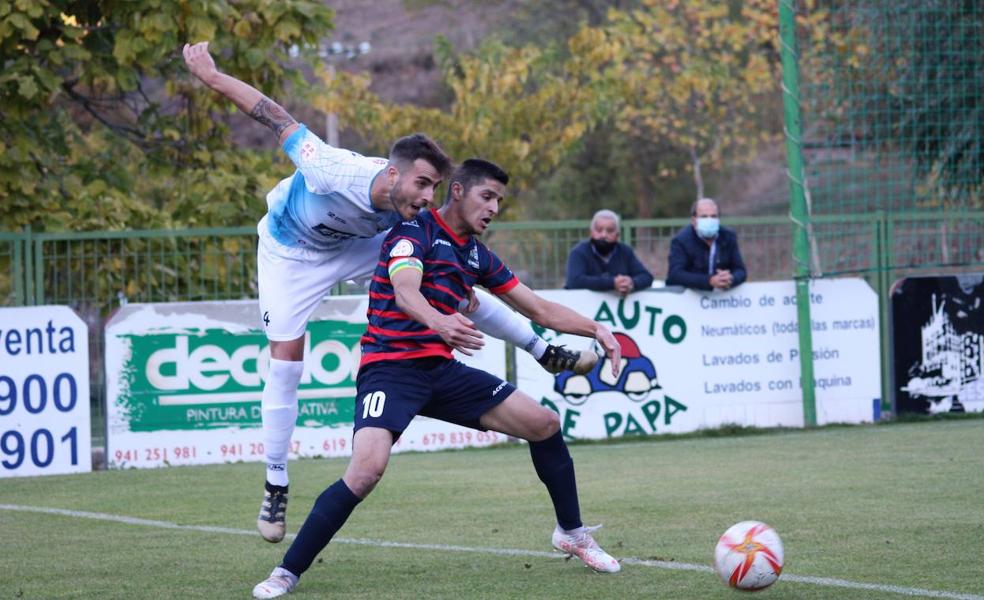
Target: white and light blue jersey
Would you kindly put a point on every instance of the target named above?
(325, 203)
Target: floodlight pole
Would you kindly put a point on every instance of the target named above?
(350, 51)
(797, 203)
(331, 118)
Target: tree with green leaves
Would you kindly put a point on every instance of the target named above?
(101, 128)
(904, 77)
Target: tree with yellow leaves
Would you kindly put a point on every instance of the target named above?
(516, 106)
(694, 75)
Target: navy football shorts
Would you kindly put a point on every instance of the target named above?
(391, 393)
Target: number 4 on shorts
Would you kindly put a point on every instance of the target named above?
(372, 404)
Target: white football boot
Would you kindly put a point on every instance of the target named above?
(579, 543)
(280, 583)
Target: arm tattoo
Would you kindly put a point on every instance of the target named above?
(272, 115)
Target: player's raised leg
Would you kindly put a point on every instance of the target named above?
(521, 416)
(496, 319)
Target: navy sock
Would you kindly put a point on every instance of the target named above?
(555, 468)
(331, 510)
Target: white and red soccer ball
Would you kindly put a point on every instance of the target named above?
(749, 556)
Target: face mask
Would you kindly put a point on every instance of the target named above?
(603, 246)
(707, 227)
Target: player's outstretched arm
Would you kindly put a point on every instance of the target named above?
(561, 318)
(455, 329)
(246, 97)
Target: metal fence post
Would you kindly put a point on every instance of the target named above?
(17, 260)
(797, 201)
(28, 275)
(36, 248)
(885, 305)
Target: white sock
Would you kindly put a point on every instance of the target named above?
(539, 348)
(279, 415)
(498, 320)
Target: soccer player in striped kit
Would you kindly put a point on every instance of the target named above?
(426, 266)
(324, 225)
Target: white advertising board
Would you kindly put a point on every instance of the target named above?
(184, 383)
(44, 392)
(701, 360)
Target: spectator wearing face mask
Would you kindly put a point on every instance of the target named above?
(602, 263)
(704, 255)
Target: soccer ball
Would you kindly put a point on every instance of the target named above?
(749, 556)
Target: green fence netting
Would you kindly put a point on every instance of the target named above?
(893, 119)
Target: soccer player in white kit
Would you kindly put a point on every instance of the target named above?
(325, 224)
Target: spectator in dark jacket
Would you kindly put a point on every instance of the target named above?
(602, 263)
(704, 255)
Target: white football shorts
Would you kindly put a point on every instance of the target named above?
(293, 281)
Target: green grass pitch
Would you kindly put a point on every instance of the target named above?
(887, 511)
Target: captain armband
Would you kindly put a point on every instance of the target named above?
(405, 262)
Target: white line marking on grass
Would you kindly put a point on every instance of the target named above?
(659, 564)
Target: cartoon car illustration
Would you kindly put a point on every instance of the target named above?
(636, 378)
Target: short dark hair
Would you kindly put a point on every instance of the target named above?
(408, 149)
(476, 170)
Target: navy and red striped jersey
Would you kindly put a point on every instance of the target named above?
(451, 266)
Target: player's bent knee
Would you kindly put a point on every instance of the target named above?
(370, 455)
(363, 480)
(546, 425)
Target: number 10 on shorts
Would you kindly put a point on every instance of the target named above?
(372, 404)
